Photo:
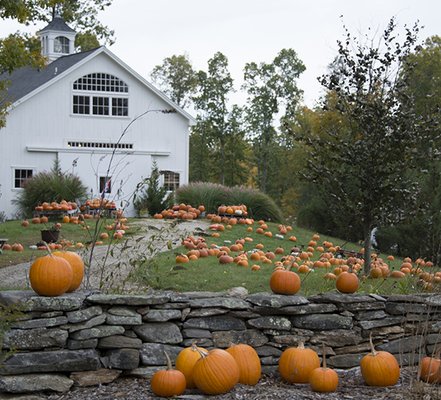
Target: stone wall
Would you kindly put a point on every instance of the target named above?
(92, 338)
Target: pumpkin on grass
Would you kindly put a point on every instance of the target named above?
(379, 368)
(248, 361)
(323, 379)
(215, 372)
(50, 275)
(186, 360)
(297, 363)
(77, 264)
(169, 382)
(347, 282)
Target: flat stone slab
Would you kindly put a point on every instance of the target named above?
(75, 317)
(335, 297)
(50, 361)
(95, 378)
(162, 315)
(231, 303)
(253, 337)
(35, 383)
(119, 342)
(129, 300)
(265, 299)
(40, 323)
(34, 339)
(278, 323)
(153, 353)
(98, 332)
(159, 332)
(322, 322)
(66, 302)
(216, 323)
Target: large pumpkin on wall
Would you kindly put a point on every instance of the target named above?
(248, 361)
(284, 281)
(297, 363)
(216, 372)
(77, 264)
(50, 275)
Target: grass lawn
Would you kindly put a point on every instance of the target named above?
(208, 274)
(31, 235)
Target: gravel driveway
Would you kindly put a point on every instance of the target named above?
(110, 265)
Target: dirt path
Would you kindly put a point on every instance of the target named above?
(111, 266)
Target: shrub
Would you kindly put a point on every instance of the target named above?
(153, 198)
(54, 185)
(212, 195)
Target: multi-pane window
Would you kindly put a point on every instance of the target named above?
(20, 177)
(100, 106)
(105, 184)
(61, 45)
(120, 106)
(100, 82)
(81, 104)
(115, 102)
(171, 180)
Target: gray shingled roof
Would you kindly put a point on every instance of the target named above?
(24, 80)
(57, 24)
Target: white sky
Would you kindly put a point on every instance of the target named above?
(249, 30)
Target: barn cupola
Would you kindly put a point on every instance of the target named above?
(57, 39)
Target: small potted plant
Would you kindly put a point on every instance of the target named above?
(52, 234)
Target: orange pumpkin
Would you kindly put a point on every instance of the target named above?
(284, 281)
(50, 275)
(77, 264)
(216, 372)
(169, 382)
(186, 360)
(430, 369)
(379, 368)
(323, 379)
(347, 282)
(248, 361)
(297, 363)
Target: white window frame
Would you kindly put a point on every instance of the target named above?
(166, 183)
(21, 168)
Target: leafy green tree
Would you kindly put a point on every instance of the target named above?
(271, 89)
(420, 236)
(362, 167)
(153, 197)
(211, 101)
(177, 79)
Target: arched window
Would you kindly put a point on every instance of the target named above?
(112, 99)
(61, 45)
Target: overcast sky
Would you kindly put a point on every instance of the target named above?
(250, 30)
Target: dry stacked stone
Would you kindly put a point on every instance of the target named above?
(87, 338)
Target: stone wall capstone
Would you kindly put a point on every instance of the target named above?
(87, 338)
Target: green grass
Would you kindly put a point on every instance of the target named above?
(208, 274)
(31, 235)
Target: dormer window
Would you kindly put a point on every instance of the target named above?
(100, 94)
(61, 45)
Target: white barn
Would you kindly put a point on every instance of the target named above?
(76, 109)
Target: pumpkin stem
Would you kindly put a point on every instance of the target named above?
(202, 353)
(324, 355)
(301, 345)
(373, 351)
(47, 248)
(169, 363)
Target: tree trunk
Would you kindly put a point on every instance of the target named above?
(367, 251)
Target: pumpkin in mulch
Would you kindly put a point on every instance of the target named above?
(248, 361)
(169, 382)
(323, 379)
(186, 360)
(216, 372)
(379, 368)
(297, 363)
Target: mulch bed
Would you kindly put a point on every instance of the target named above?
(269, 388)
